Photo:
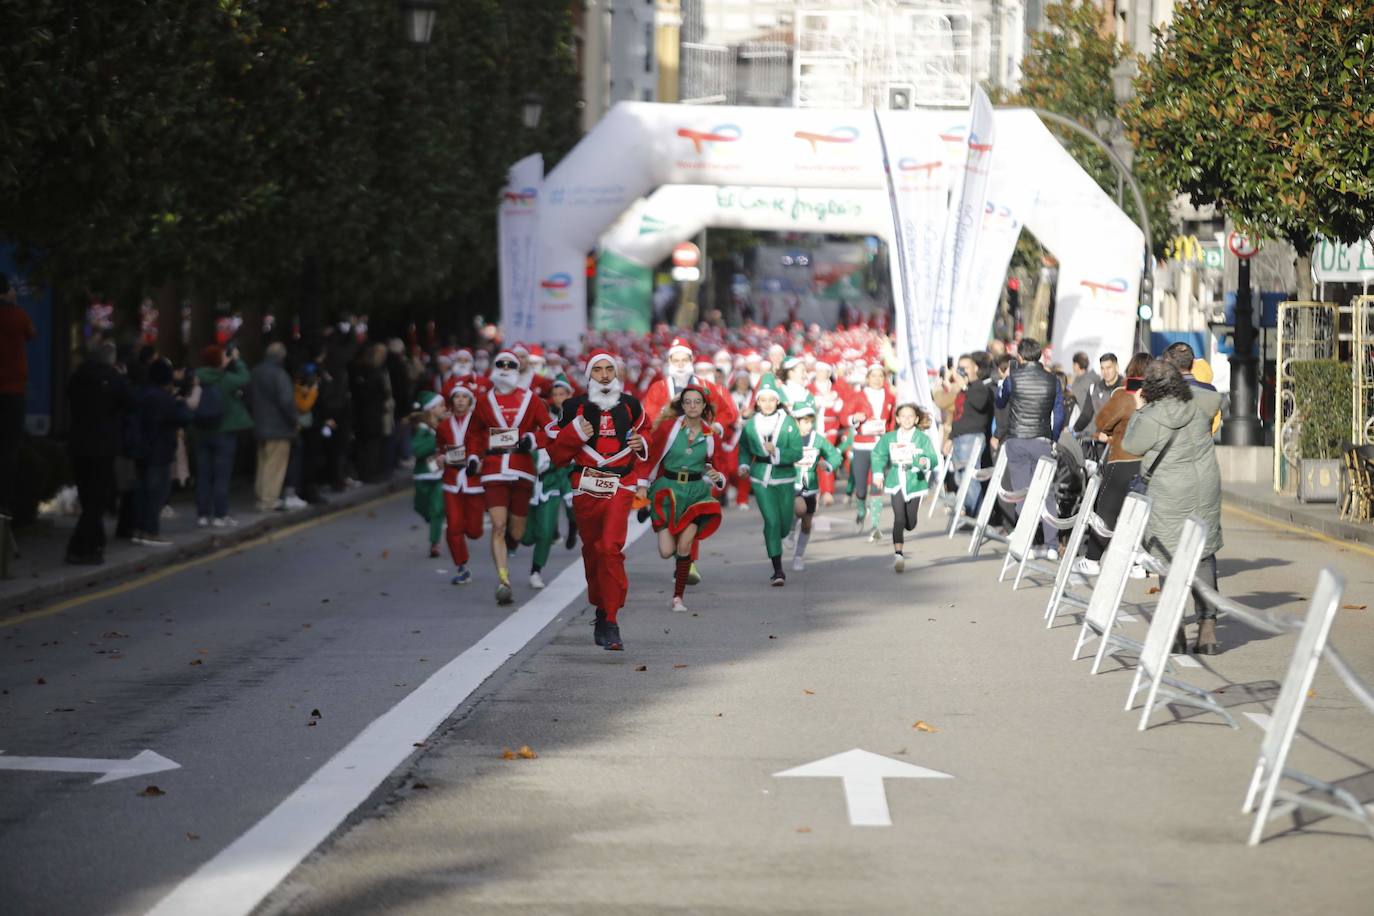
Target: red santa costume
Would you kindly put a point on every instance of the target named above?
(462, 373)
(664, 391)
(871, 411)
(603, 480)
(509, 422)
(830, 419)
(464, 502)
(529, 374)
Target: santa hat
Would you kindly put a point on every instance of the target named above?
(704, 365)
(461, 389)
(520, 350)
(427, 400)
(505, 354)
(463, 353)
(680, 346)
(536, 352)
(598, 355)
(445, 359)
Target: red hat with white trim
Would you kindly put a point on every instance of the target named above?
(680, 346)
(599, 355)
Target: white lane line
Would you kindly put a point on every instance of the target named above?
(244, 872)
(1187, 661)
(1262, 719)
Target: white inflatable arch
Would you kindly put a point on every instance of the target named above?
(640, 147)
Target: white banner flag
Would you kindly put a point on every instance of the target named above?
(517, 233)
(967, 228)
(1009, 202)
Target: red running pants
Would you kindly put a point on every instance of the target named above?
(601, 524)
(463, 512)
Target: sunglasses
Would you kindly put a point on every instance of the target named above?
(505, 364)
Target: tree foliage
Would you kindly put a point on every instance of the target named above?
(1267, 108)
(220, 143)
(1068, 70)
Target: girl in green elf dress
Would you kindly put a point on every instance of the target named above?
(768, 453)
(677, 478)
(428, 474)
(815, 449)
(902, 463)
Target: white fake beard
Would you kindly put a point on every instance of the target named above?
(680, 377)
(604, 396)
(462, 370)
(505, 380)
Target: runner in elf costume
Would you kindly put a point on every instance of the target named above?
(682, 499)
(553, 487)
(902, 463)
(768, 452)
(464, 501)
(428, 473)
(817, 452)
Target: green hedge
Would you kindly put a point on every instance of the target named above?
(1321, 389)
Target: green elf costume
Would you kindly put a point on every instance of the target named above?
(428, 475)
(768, 453)
(815, 449)
(551, 491)
(903, 461)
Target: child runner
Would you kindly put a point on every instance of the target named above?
(550, 490)
(871, 409)
(464, 502)
(902, 462)
(768, 453)
(815, 447)
(428, 476)
(681, 503)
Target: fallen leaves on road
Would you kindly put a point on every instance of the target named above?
(192, 836)
(41, 680)
(1311, 694)
(197, 661)
(315, 714)
(641, 667)
(152, 792)
(679, 666)
(114, 634)
(921, 725)
(1355, 607)
(311, 724)
(771, 636)
(810, 693)
(385, 554)
(803, 829)
(525, 753)
(1152, 590)
(901, 753)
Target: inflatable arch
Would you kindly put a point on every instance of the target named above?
(640, 147)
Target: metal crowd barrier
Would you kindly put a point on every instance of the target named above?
(994, 494)
(1099, 619)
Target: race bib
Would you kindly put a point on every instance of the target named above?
(808, 458)
(872, 428)
(902, 453)
(502, 438)
(456, 454)
(594, 483)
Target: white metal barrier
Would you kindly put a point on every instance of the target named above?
(1087, 513)
(1154, 657)
(954, 500)
(1100, 617)
(994, 493)
(1068, 522)
(958, 517)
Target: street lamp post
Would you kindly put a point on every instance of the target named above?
(418, 17)
(531, 109)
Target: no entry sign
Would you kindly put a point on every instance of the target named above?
(1242, 246)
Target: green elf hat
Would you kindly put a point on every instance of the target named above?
(803, 407)
(427, 400)
(561, 381)
(769, 383)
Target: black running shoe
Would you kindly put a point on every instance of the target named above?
(599, 627)
(778, 580)
(613, 642)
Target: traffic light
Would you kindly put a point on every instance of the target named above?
(1145, 311)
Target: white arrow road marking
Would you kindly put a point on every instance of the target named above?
(141, 764)
(863, 774)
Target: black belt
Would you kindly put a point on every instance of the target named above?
(682, 476)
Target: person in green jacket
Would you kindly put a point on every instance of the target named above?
(903, 461)
(768, 453)
(815, 448)
(551, 490)
(428, 475)
(221, 415)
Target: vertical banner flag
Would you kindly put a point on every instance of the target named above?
(517, 227)
(1010, 201)
(969, 218)
(914, 189)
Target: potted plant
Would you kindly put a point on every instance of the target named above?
(1321, 389)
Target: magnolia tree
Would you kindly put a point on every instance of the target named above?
(1267, 109)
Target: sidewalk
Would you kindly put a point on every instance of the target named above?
(1323, 518)
(40, 574)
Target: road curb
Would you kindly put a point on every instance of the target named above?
(1295, 513)
(198, 546)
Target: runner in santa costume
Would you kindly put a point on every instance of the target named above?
(530, 376)
(768, 453)
(510, 422)
(463, 373)
(682, 500)
(902, 462)
(681, 372)
(464, 501)
(817, 453)
(830, 421)
(600, 439)
(871, 411)
(428, 473)
(552, 488)
(742, 395)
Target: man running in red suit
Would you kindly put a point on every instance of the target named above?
(600, 438)
(464, 502)
(681, 373)
(509, 424)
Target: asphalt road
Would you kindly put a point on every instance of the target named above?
(653, 787)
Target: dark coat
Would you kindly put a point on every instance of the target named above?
(160, 415)
(100, 399)
(273, 399)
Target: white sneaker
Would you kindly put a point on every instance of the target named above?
(791, 542)
(1138, 572)
(743, 507)
(798, 563)
(536, 580)
(224, 521)
(152, 540)
(898, 563)
(678, 606)
(203, 522)
(875, 536)
(293, 502)
(1052, 555)
(168, 512)
(1085, 567)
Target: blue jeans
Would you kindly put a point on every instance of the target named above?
(1022, 455)
(964, 447)
(154, 485)
(214, 466)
